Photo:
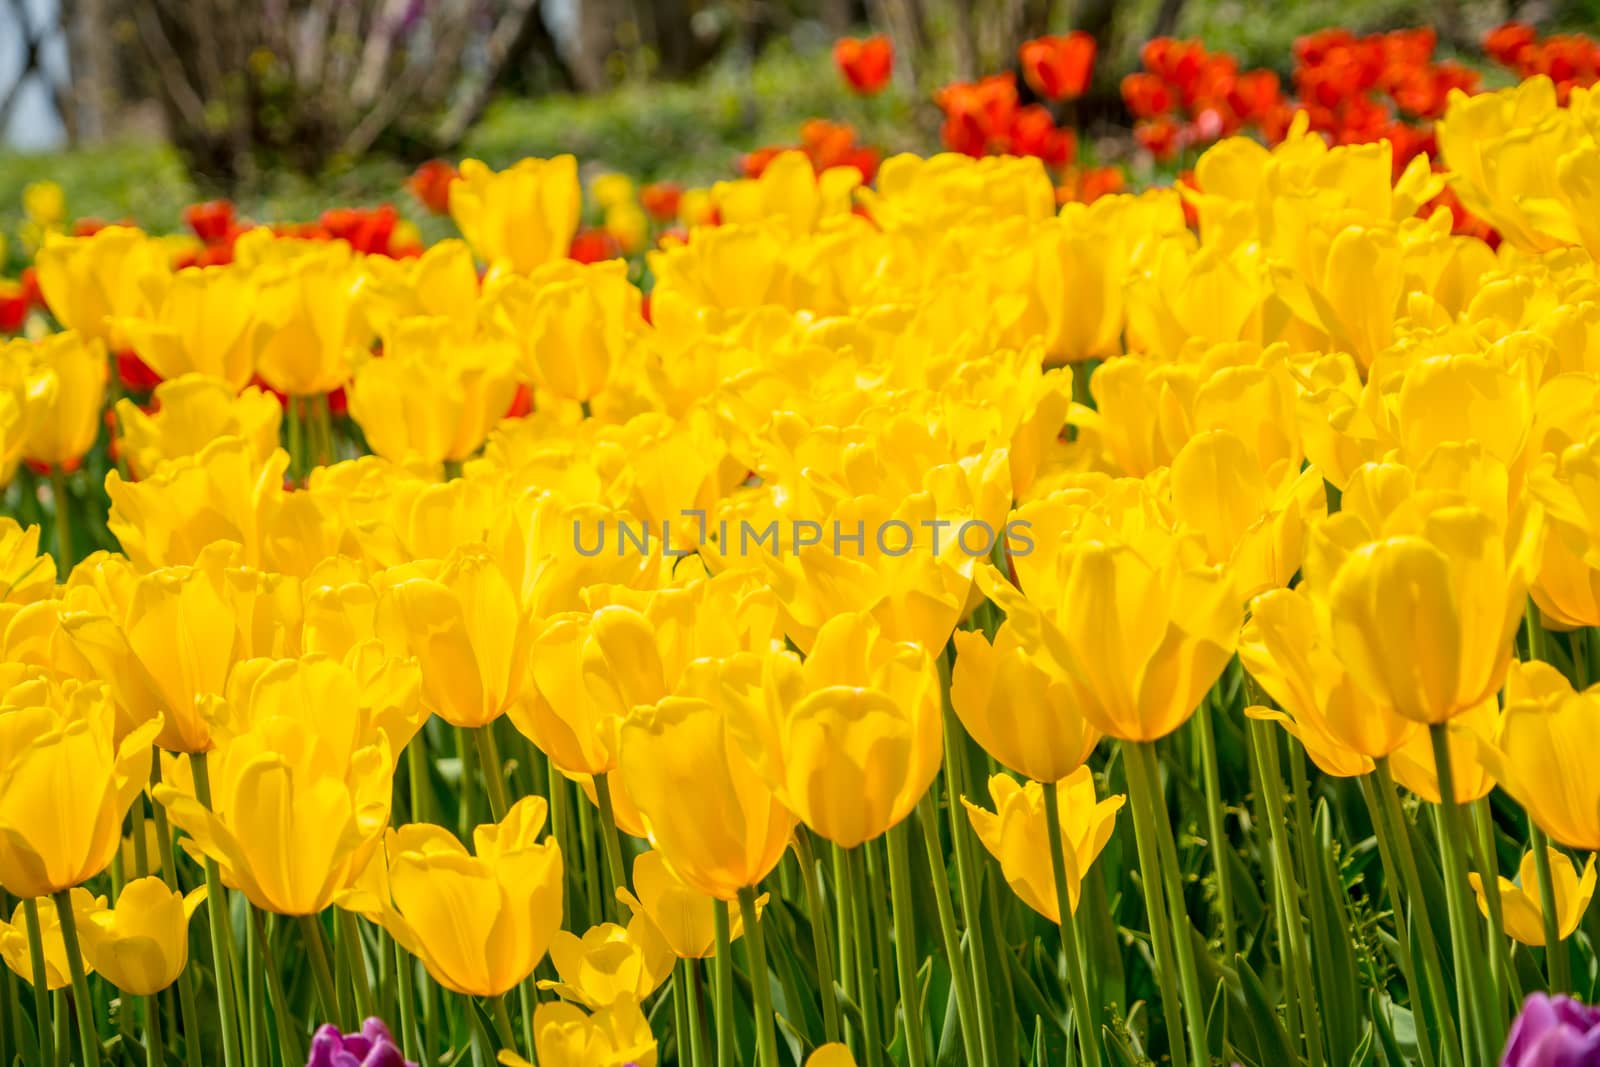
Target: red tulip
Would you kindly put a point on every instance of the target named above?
(1507, 43)
(1146, 95)
(591, 245)
(1058, 68)
(865, 62)
(660, 200)
(211, 221)
(430, 184)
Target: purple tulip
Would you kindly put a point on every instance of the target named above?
(1553, 1032)
(374, 1046)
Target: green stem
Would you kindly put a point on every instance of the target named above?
(1463, 926)
(882, 952)
(590, 852)
(680, 1013)
(1488, 864)
(612, 841)
(1140, 798)
(727, 1053)
(1291, 935)
(697, 1031)
(255, 996)
(1408, 962)
(905, 944)
(760, 981)
(1194, 1001)
(83, 1004)
(502, 1022)
(221, 930)
(844, 932)
(1205, 734)
(169, 874)
(1451, 1050)
(410, 1033)
(155, 1052)
(288, 1041)
(494, 778)
(321, 973)
(417, 772)
(862, 925)
(1321, 961)
(820, 941)
(1555, 950)
(955, 772)
(360, 974)
(466, 817)
(296, 437)
(949, 933)
(41, 982)
(1084, 1005)
(63, 502)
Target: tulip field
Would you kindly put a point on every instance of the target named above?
(991, 608)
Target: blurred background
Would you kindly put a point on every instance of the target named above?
(139, 107)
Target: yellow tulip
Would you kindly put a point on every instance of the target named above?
(66, 784)
(522, 217)
(614, 1036)
(15, 946)
(1015, 834)
(913, 195)
(1539, 753)
(1423, 620)
(851, 738)
(575, 323)
(299, 791)
(1285, 648)
(442, 282)
(715, 822)
(479, 923)
(590, 669)
(724, 267)
(1130, 618)
(1348, 285)
(1521, 902)
(1499, 147)
(433, 395)
(205, 323)
(168, 650)
(15, 417)
(1567, 588)
(681, 917)
(1016, 709)
(142, 945)
(25, 575)
(464, 623)
(609, 963)
(191, 412)
(220, 493)
(1077, 273)
(90, 282)
(789, 192)
(312, 329)
(1415, 768)
(66, 389)
(833, 1054)
(1256, 530)
(1190, 294)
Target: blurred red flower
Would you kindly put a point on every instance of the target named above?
(1058, 68)
(660, 200)
(866, 63)
(430, 184)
